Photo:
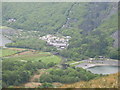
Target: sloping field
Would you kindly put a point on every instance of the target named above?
(7, 52)
(110, 81)
(31, 55)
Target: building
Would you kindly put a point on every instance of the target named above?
(59, 42)
(12, 20)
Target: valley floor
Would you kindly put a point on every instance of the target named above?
(25, 55)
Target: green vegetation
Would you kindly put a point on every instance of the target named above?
(44, 57)
(69, 75)
(98, 42)
(90, 26)
(18, 69)
(110, 81)
(5, 27)
(17, 72)
(35, 16)
(46, 85)
(7, 52)
(28, 43)
(87, 21)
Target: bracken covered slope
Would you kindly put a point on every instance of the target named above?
(110, 81)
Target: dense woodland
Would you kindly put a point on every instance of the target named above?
(17, 72)
(69, 75)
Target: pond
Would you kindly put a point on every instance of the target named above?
(104, 69)
(4, 40)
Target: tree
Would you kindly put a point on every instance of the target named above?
(51, 64)
(45, 78)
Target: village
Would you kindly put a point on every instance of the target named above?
(57, 41)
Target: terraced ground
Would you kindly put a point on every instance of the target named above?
(110, 81)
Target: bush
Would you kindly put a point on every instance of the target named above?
(46, 85)
(69, 75)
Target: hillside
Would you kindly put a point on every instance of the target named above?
(90, 22)
(47, 36)
(20, 64)
(51, 17)
(110, 81)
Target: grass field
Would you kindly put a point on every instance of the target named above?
(35, 56)
(6, 52)
(5, 27)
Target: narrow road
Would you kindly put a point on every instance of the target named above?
(90, 63)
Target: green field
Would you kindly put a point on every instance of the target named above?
(5, 27)
(43, 56)
(6, 52)
(25, 63)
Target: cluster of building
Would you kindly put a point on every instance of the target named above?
(11, 20)
(59, 42)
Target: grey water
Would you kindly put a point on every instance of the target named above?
(4, 40)
(104, 69)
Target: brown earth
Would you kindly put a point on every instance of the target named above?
(28, 52)
(37, 75)
(33, 83)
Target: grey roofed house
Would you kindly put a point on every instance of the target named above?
(68, 37)
(59, 44)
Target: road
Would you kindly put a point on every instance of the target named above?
(90, 63)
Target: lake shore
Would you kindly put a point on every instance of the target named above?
(4, 40)
(92, 63)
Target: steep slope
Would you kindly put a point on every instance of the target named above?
(96, 14)
(89, 24)
(54, 16)
(110, 81)
(45, 17)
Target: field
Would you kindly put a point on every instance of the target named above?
(5, 27)
(30, 55)
(19, 62)
(7, 52)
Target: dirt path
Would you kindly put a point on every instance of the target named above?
(37, 75)
(33, 83)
